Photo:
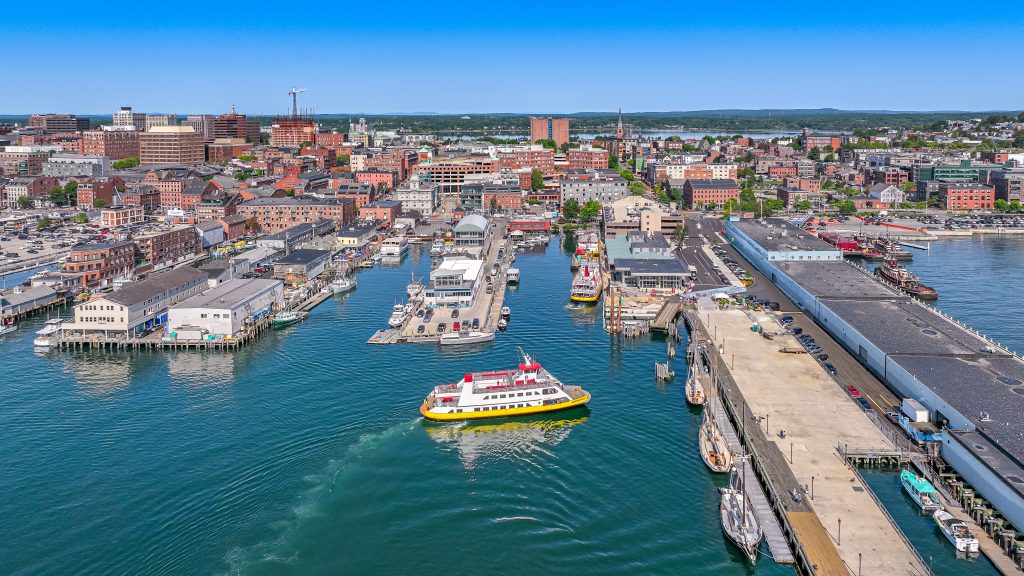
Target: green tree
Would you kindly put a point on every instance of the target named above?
(290, 192)
(935, 201)
(803, 205)
(342, 159)
(680, 233)
(80, 218)
(24, 202)
(1015, 206)
(613, 161)
(536, 179)
(1002, 205)
(847, 208)
(99, 203)
(246, 158)
(1018, 140)
(494, 204)
(829, 158)
(58, 196)
(814, 153)
(548, 144)
(828, 148)
(43, 223)
(908, 187)
(124, 164)
(637, 188)
(571, 209)
(590, 210)
(709, 139)
(242, 176)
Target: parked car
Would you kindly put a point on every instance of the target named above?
(421, 329)
(455, 314)
(428, 316)
(853, 392)
(864, 404)
(822, 357)
(420, 313)
(786, 319)
(456, 326)
(830, 368)
(441, 327)
(476, 323)
(797, 330)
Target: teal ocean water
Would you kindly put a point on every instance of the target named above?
(305, 454)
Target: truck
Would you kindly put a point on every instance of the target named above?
(913, 410)
(693, 271)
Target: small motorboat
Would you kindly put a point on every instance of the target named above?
(957, 532)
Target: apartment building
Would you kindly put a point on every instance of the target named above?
(116, 144)
(549, 128)
(967, 195)
(601, 185)
(533, 157)
(277, 214)
(165, 248)
(122, 216)
(97, 265)
(707, 192)
(171, 145)
(586, 158)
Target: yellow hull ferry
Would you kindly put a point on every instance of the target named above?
(586, 286)
(527, 390)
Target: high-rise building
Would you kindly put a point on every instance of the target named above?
(125, 117)
(59, 122)
(549, 128)
(233, 126)
(201, 123)
(113, 142)
(171, 145)
(161, 120)
(292, 131)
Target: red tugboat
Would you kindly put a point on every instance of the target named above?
(889, 246)
(895, 273)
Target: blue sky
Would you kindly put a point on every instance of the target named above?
(472, 57)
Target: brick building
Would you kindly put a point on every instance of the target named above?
(59, 122)
(586, 158)
(276, 214)
(292, 132)
(967, 195)
(158, 250)
(534, 157)
(114, 144)
(704, 192)
(382, 210)
(222, 150)
(22, 160)
(549, 128)
(122, 216)
(97, 189)
(171, 145)
(234, 126)
(96, 265)
(379, 179)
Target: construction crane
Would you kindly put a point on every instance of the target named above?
(294, 92)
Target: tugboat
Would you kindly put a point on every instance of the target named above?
(957, 532)
(889, 246)
(287, 318)
(738, 520)
(528, 389)
(586, 286)
(920, 490)
(896, 274)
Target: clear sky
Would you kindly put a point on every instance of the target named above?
(525, 56)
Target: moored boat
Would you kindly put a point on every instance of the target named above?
(892, 248)
(399, 314)
(343, 284)
(896, 274)
(502, 324)
(47, 336)
(957, 532)
(714, 448)
(512, 276)
(920, 490)
(288, 318)
(459, 338)
(414, 288)
(738, 520)
(506, 312)
(526, 390)
(694, 387)
(586, 285)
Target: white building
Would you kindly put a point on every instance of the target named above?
(161, 120)
(126, 118)
(224, 310)
(210, 233)
(454, 283)
(67, 165)
(886, 193)
(415, 194)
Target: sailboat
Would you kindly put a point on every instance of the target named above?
(738, 520)
(714, 448)
(694, 387)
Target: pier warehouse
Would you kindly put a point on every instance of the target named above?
(224, 310)
(301, 265)
(138, 307)
(962, 379)
(454, 283)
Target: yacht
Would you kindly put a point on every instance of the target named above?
(738, 520)
(957, 532)
(921, 490)
(414, 288)
(48, 335)
(399, 314)
(437, 248)
(397, 246)
(527, 389)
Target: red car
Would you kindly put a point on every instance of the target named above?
(455, 326)
(853, 392)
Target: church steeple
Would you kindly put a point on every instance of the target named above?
(618, 131)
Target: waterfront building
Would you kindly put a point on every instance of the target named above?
(384, 211)
(603, 185)
(277, 214)
(97, 265)
(137, 307)
(529, 224)
(454, 283)
(65, 165)
(164, 248)
(120, 215)
(116, 144)
(210, 232)
(1008, 184)
(450, 173)
(967, 195)
(301, 265)
(709, 192)
(225, 309)
(171, 145)
(256, 257)
(472, 230)
(549, 128)
(964, 381)
(639, 214)
(356, 236)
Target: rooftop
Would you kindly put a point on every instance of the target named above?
(777, 235)
(652, 266)
(154, 286)
(228, 294)
(304, 256)
(712, 183)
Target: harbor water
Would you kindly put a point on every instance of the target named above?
(304, 453)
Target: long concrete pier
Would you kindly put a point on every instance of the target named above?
(837, 527)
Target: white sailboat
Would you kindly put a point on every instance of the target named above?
(738, 520)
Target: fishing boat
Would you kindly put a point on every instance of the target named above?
(343, 284)
(957, 532)
(586, 285)
(714, 448)
(47, 336)
(738, 520)
(288, 317)
(502, 324)
(506, 312)
(694, 387)
(921, 490)
(512, 276)
(525, 390)
(461, 338)
(399, 314)
(896, 274)
(414, 288)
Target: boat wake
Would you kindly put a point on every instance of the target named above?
(280, 550)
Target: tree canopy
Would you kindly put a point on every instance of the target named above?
(536, 179)
(124, 164)
(590, 210)
(571, 209)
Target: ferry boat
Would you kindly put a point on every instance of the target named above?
(343, 284)
(528, 389)
(512, 276)
(895, 273)
(738, 520)
(957, 532)
(288, 317)
(399, 314)
(714, 448)
(920, 490)
(394, 246)
(694, 388)
(586, 286)
(47, 336)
